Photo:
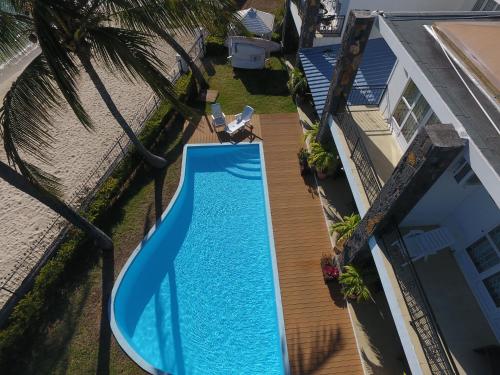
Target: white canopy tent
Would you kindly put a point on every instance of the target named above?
(257, 22)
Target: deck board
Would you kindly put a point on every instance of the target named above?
(320, 336)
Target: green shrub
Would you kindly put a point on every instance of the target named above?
(354, 286)
(215, 46)
(32, 313)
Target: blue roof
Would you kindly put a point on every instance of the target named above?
(318, 64)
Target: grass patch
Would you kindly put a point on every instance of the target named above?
(264, 90)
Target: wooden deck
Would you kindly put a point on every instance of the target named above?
(320, 337)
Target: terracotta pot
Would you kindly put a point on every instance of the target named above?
(321, 175)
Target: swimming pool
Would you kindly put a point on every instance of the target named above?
(200, 295)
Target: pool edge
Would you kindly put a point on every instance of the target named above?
(122, 342)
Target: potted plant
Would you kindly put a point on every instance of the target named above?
(324, 160)
(311, 133)
(353, 285)
(303, 155)
(330, 271)
(345, 229)
(297, 83)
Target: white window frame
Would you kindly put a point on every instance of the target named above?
(489, 272)
(476, 279)
(399, 128)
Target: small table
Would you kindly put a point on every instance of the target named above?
(235, 126)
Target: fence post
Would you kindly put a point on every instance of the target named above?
(201, 42)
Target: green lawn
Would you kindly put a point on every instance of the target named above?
(264, 90)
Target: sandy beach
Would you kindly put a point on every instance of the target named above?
(75, 152)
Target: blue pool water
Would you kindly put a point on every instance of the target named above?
(199, 297)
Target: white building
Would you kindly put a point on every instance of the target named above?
(330, 24)
(436, 236)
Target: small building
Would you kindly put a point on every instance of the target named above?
(250, 53)
(257, 22)
(422, 162)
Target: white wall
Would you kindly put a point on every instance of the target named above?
(406, 5)
(468, 209)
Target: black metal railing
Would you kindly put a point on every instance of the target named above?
(366, 95)
(359, 155)
(331, 25)
(423, 320)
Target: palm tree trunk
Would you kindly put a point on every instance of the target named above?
(152, 159)
(22, 183)
(197, 74)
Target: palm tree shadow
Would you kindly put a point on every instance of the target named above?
(159, 179)
(325, 343)
(108, 277)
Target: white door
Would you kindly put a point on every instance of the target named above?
(484, 255)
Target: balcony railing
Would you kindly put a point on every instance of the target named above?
(423, 321)
(359, 155)
(366, 95)
(331, 25)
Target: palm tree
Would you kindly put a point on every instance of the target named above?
(25, 185)
(186, 15)
(70, 30)
(32, 180)
(87, 31)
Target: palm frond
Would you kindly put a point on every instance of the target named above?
(353, 284)
(14, 34)
(184, 15)
(21, 7)
(312, 132)
(64, 70)
(130, 53)
(320, 157)
(25, 120)
(346, 227)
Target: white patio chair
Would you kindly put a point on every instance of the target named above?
(218, 117)
(421, 244)
(240, 121)
(246, 115)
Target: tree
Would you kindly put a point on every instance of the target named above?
(25, 185)
(68, 32)
(186, 15)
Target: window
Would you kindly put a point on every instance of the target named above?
(485, 255)
(486, 5)
(412, 111)
(433, 119)
(492, 284)
(464, 172)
